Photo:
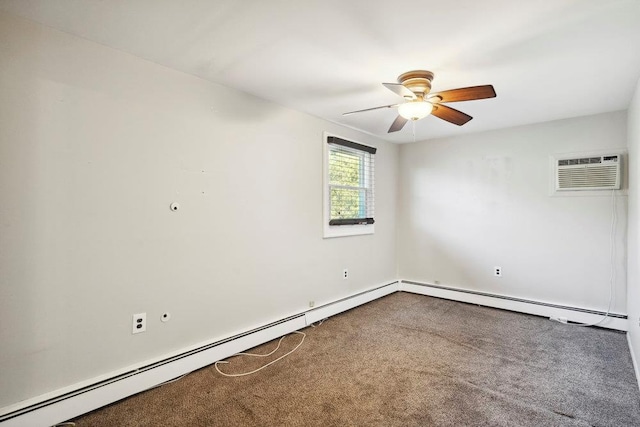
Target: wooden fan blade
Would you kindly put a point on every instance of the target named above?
(397, 124)
(451, 115)
(369, 109)
(463, 94)
(400, 90)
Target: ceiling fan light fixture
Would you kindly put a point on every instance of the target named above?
(415, 110)
(415, 86)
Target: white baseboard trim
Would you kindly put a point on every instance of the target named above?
(634, 360)
(618, 322)
(49, 410)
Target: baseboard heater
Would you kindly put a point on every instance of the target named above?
(85, 399)
(539, 308)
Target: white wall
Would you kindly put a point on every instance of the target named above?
(473, 202)
(633, 280)
(94, 146)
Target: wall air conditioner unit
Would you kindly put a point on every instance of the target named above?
(588, 173)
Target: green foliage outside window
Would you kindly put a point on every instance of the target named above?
(347, 180)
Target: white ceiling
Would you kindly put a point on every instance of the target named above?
(547, 59)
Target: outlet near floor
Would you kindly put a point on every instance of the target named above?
(345, 273)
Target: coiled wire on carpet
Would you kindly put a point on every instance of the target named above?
(261, 355)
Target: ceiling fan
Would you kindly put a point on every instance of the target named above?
(415, 88)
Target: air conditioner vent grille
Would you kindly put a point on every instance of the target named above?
(583, 161)
(588, 173)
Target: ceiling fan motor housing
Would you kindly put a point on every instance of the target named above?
(417, 81)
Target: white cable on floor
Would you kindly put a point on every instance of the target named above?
(612, 260)
(168, 382)
(262, 355)
(320, 322)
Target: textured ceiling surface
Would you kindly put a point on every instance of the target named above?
(547, 59)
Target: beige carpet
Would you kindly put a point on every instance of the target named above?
(409, 360)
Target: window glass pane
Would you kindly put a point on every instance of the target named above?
(348, 203)
(346, 168)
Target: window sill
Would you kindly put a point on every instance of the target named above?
(331, 231)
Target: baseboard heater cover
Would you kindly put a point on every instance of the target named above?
(615, 321)
(96, 395)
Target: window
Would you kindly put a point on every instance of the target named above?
(349, 188)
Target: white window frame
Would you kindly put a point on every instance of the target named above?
(330, 231)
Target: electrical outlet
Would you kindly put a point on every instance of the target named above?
(312, 304)
(345, 274)
(436, 282)
(139, 323)
(497, 271)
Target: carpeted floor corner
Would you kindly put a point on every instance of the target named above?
(408, 360)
